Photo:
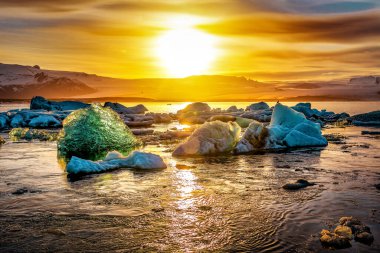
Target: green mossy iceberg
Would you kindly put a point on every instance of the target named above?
(92, 132)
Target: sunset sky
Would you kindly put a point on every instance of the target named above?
(264, 40)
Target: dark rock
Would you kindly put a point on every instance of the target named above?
(335, 137)
(360, 228)
(157, 210)
(361, 232)
(366, 119)
(20, 191)
(370, 132)
(364, 237)
(301, 183)
(334, 241)
(142, 131)
(205, 208)
(377, 186)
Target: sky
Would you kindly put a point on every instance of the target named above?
(262, 40)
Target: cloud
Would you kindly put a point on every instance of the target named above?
(204, 7)
(87, 25)
(230, 7)
(293, 75)
(344, 28)
(46, 6)
(368, 55)
(341, 7)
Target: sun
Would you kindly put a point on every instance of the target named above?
(186, 51)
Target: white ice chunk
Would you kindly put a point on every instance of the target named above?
(136, 160)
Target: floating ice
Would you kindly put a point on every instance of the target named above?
(211, 138)
(257, 106)
(44, 121)
(92, 132)
(287, 129)
(136, 160)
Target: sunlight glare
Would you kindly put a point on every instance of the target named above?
(186, 51)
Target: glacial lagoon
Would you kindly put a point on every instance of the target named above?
(224, 203)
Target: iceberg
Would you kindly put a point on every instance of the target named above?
(257, 106)
(42, 103)
(119, 108)
(92, 132)
(196, 107)
(3, 121)
(287, 129)
(44, 121)
(136, 160)
(17, 121)
(211, 138)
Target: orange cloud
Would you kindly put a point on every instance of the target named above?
(343, 28)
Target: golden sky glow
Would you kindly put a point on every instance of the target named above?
(263, 40)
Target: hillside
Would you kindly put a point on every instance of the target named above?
(23, 82)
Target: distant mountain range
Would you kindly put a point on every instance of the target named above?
(18, 81)
(24, 82)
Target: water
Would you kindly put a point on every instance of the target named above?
(224, 204)
(165, 107)
(337, 107)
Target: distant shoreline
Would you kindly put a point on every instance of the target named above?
(141, 99)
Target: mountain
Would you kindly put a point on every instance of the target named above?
(23, 82)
